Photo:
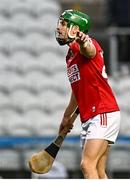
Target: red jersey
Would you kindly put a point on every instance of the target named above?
(89, 82)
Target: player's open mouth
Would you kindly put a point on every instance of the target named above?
(59, 35)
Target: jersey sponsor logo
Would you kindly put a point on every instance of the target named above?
(73, 73)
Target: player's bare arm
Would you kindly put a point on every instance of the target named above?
(67, 114)
(87, 48)
(71, 106)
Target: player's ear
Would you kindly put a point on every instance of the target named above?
(75, 28)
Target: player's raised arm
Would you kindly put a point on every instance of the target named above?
(87, 47)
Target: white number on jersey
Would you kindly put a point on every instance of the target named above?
(104, 74)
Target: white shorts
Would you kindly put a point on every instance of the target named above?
(103, 126)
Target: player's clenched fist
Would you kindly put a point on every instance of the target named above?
(87, 48)
(65, 126)
(82, 38)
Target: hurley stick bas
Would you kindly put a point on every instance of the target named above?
(42, 161)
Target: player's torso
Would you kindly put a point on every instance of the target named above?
(89, 83)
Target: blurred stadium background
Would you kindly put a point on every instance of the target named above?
(34, 88)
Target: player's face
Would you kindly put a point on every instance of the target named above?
(62, 32)
(62, 29)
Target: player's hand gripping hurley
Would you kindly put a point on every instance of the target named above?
(42, 161)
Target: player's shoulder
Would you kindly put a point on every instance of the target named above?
(95, 42)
